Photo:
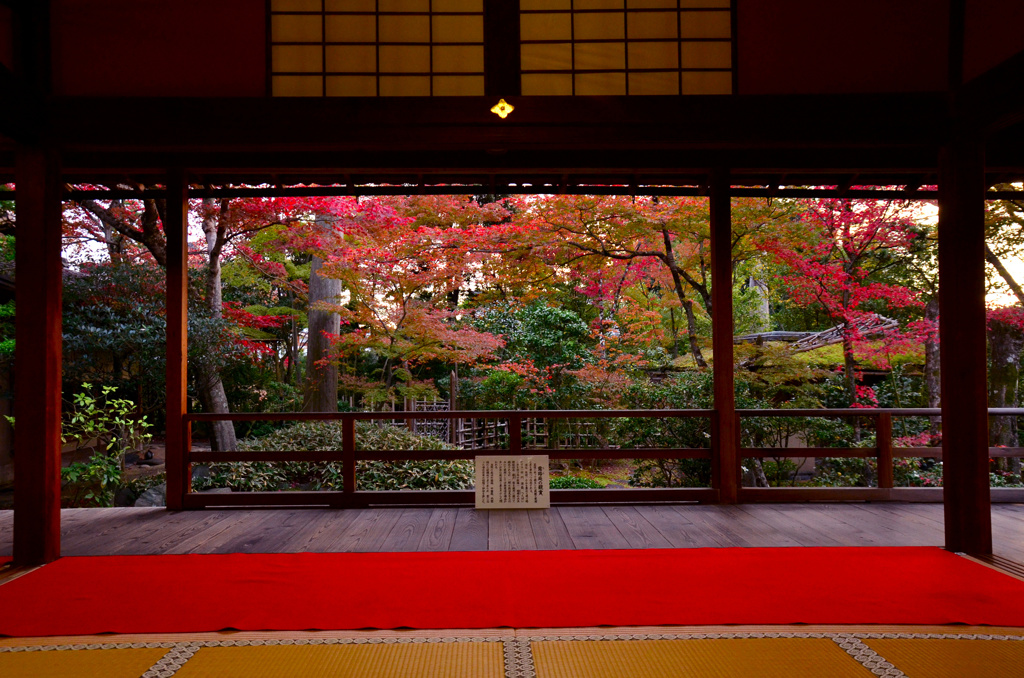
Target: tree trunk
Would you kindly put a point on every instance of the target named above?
(114, 240)
(1005, 345)
(931, 364)
(755, 476)
(214, 399)
(208, 381)
(321, 377)
(675, 333)
(677, 283)
(849, 370)
(691, 329)
(850, 379)
(763, 308)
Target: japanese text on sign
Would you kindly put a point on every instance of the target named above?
(504, 482)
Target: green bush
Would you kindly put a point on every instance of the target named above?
(671, 473)
(574, 483)
(111, 421)
(862, 472)
(779, 471)
(326, 435)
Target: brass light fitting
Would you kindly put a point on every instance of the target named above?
(502, 109)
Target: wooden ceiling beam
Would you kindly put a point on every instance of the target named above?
(570, 123)
(994, 101)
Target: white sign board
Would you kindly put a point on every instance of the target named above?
(512, 482)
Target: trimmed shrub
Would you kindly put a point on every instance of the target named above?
(327, 435)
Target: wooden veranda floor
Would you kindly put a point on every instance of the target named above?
(157, 531)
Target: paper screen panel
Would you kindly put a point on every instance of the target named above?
(363, 48)
(707, 82)
(616, 47)
(298, 86)
(458, 85)
(351, 86)
(655, 83)
(436, 47)
(652, 25)
(705, 25)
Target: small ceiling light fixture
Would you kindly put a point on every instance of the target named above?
(502, 109)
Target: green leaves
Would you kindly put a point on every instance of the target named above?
(111, 421)
(326, 435)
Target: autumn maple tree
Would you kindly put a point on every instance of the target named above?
(401, 265)
(634, 251)
(834, 256)
(133, 229)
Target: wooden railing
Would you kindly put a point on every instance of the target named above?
(349, 496)
(884, 452)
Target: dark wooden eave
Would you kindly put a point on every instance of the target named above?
(608, 139)
(994, 101)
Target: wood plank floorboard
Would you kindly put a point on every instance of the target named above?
(924, 514)
(263, 533)
(1008, 536)
(314, 535)
(471, 531)
(751, 528)
(850, 527)
(590, 528)
(145, 531)
(895, 528)
(706, 523)
(769, 526)
(549, 531)
(678, 531)
(438, 533)
(1013, 512)
(111, 527)
(818, 528)
(187, 529)
(367, 532)
(509, 531)
(233, 535)
(408, 530)
(635, 529)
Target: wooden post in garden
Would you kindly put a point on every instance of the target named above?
(37, 379)
(725, 463)
(515, 434)
(883, 442)
(176, 232)
(348, 458)
(454, 425)
(966, 495)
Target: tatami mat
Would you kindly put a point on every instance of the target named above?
(953, 657)
(626, 652)
(706, 658)
(394, 660)
(100, 663)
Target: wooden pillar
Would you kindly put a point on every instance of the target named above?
(966, 494)
(37, 380)
(883, 443)
(726, 460)
(176, 230)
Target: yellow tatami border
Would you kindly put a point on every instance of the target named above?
(636, 652)
(504, 633)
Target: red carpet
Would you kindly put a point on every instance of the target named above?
(142, 594)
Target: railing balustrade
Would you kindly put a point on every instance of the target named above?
(884, 453)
